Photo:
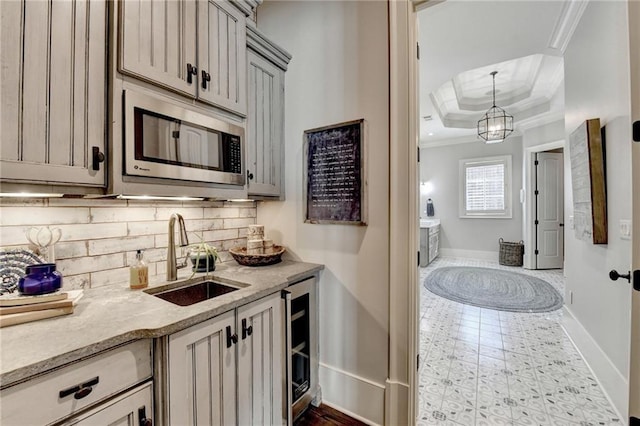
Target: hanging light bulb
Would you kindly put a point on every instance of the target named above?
(496, 124)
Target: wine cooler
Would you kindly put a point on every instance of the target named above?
(301, 346)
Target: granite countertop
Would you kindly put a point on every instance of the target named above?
(109, 316)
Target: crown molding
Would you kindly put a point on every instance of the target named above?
(539, 120)
(566, 24)
(257, 41)
(461, 140)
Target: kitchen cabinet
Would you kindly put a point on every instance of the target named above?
(222, 55)
(133, 408)
(195, 48)
(266, 66)
(158, 43)
(227, 370)
(92, 384)
(53, 92)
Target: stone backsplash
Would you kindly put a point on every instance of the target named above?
(100, 236)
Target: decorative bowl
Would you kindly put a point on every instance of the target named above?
(241, 256)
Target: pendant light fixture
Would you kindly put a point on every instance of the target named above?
(496, 124)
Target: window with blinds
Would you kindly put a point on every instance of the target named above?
(484, 190)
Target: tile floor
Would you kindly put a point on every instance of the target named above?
(486, 367)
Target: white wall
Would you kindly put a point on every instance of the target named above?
(543, 134)
(339, 72)
(469, 237)
(597, 85)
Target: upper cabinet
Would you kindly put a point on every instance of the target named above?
(53, 91)
(222, 55)
(196, 48)
(158, 43)
(266, 66)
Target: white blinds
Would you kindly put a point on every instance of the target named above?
(485, 187)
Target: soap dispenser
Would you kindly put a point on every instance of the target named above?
(139, 273)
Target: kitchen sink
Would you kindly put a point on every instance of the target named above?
(193, 293)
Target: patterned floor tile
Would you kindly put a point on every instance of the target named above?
(486, 367)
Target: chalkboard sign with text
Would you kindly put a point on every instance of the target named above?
(334, 172)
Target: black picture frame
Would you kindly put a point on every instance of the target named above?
(334, 173)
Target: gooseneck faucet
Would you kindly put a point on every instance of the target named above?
(172, 266)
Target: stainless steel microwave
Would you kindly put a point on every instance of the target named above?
(168, 141)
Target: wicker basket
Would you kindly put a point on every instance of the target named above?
(241, 256)
(511, 253)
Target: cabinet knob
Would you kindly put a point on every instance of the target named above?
(205, 78)
(191, 71)
(97, 158)
(249, 175)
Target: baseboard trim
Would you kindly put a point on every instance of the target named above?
(358, 397)
(613, 383)
(470, 254)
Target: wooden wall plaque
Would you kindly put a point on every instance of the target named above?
(335, 182)
(588, 182)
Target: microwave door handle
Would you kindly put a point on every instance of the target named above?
(286, 295)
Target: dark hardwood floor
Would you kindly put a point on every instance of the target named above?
(326, 416)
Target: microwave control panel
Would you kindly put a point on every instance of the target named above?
(233, 155)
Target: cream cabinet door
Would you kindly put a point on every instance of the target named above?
(131, 409)
(202, 373)
(265, 126)
(222, 55)
(53, 91)
(260, 362)
(158, 43)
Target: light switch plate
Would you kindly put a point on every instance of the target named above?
(625, 229)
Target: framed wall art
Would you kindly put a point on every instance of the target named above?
(588, 181)
(334, 173)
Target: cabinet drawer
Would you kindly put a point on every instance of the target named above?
(38, 401)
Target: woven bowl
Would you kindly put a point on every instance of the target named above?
(241, 256)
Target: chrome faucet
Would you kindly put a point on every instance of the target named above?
(172, 265)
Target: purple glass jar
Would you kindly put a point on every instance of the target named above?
(40, 279)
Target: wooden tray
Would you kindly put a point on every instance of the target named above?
(241, 256)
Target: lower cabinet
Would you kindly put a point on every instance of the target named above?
(133, 408)
(98, 387)
(227, 370)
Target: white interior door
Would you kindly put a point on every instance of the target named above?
(634, 370)
(549, 237)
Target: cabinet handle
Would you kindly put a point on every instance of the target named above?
(191, 71)
(246, 331)
(249, 175)
(205, 78)
(97, 158)
(614, 275)
(142, 415)
(81, 390)
(231, 338)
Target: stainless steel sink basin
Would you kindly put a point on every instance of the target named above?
(189, 294)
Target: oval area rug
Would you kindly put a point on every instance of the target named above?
(494, 289)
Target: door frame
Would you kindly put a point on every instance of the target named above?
(634, 355)
(529, 207)
(401, 387)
